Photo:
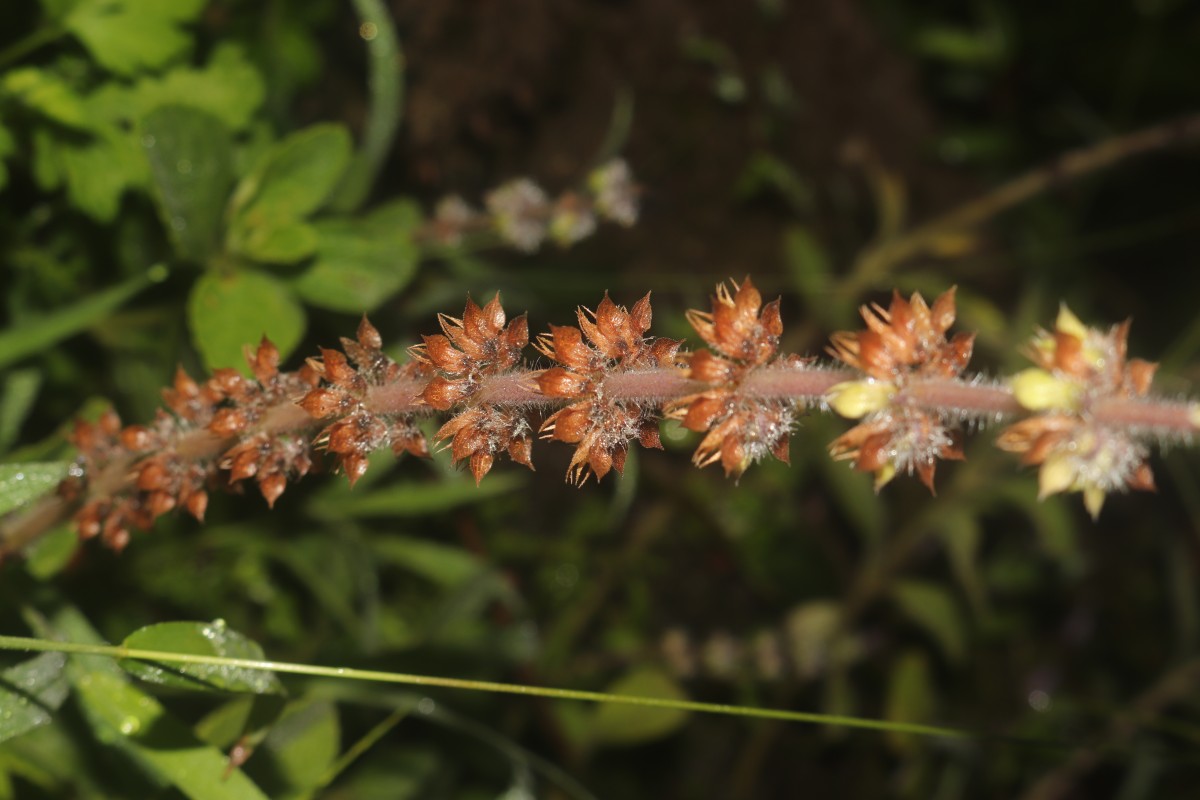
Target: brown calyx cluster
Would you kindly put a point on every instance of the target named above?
(348, 378)
(470, 355)
(903, 345)
(740, 429)
(597, 423)
(163, 473)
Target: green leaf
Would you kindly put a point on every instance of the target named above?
(295, 177)
(361, 263)
(191, 164)
(24, 483)
(48, 555)
(205, 639)
(38, 335)
(275, 240)
(620, 724)
(128, 36)
(96, 169)
(16, 401)
(933, 608)
(30, 693)
(301, 747)
(910, 698)
(229, 87)
(48, 95)
(124, 717)
(228, 312)
(337, 501)
(444, 565)
(247, 717)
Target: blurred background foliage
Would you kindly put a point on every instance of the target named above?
(178, 177)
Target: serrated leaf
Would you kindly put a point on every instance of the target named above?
(97, 169)
(294, 177)
(227, 312)
(30, 693)
(933, 608)
(46, 94)
(24, 483)
(620, 724)
(205, 639)
(128, 36)
(229, 87)
(361, 263)
(275, 240)
(191, 164)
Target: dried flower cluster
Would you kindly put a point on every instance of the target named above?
(744, 336)
(599, 421)
(163, 474)
(1086, 411)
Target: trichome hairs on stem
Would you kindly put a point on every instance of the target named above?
(1084, 413)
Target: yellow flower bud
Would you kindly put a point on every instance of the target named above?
(1056, 475)
(856, 399)
(884, 475)
(1038, 390)
(1067, 322)
(1093, 500)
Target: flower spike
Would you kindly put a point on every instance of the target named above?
(902, 347)
(1084, 412)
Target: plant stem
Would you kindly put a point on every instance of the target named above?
(875, 262)
(386, 109)
(22, 643)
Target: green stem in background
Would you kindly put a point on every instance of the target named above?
(23, 47)
(618, 127)
(880, 258)
(37, 335)
(369, 740)
(44, 646)
(385, 83)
